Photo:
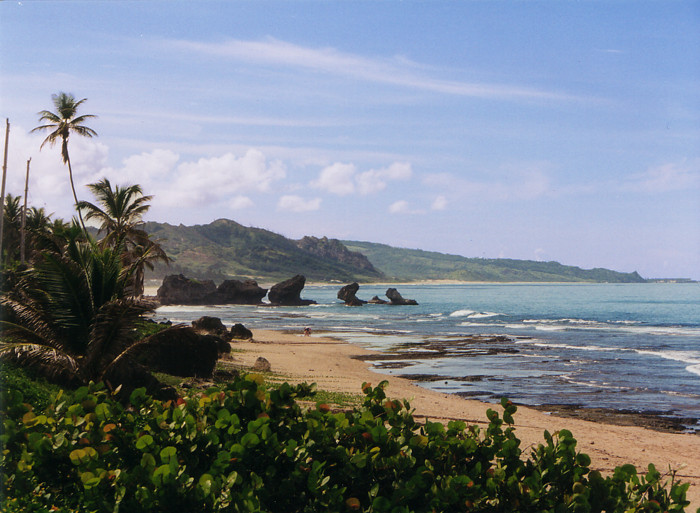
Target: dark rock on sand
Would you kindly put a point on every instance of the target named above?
(180, 290)
(211, 326)
(288, 293)
(240, 332)
(262, 365)
(347, 294)
(397, 299)
(181, 352)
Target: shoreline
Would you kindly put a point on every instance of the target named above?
(339, 366)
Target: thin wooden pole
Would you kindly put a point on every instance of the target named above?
(4, 177)
(24, 216)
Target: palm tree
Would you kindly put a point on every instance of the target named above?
(119, 211)
(70, 317)
(12, 212)
(62, 124)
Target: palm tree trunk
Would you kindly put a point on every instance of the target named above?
(75, 196)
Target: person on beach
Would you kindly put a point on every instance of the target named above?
(307, 332)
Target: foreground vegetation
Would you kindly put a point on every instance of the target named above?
(242, 447)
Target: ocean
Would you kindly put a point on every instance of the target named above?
(626, 347)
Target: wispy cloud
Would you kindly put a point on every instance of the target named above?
(397, 71)
(672, 176)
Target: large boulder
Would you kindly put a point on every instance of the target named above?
(181, 352)
(347, 294)
(288, 293)
(397, 299)
(179, 290)
(236, 292)
(210, 326)
(240, 332)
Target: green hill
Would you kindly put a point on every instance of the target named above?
(412, 264)
(225, 249)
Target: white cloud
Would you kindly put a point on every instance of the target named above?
(667, 177)
(241, 202)
(440, 203)
(214, 179)
(149, 167)
(399, 207)
(342, 179)
(376, 180)
(294, 203)
(337, 179)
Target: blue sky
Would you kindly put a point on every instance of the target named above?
(565, 131)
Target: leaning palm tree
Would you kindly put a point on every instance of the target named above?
(61, 124)
(119, 211)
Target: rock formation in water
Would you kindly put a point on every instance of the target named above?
(288, 293)
(180, 290)
(347, 294)
(397, 299)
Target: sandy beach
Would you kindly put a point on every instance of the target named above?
(331, 364)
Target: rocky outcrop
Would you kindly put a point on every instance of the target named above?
(333, 249)
(236, 292)
(397, 299)
(179, 290)
(347, 294)
(288, 293)
(376, 300)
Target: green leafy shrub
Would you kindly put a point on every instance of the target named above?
(243, 448)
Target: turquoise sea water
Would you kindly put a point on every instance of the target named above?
(623, 346)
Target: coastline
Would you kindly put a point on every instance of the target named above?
(334, 366)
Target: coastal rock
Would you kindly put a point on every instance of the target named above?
(236, 292)
(179, 290)
(240, 332)
(376, 300)
(397, 299)
(181, 352)
(347, 294)
(288, 293)
(262, 365)
(210, 326)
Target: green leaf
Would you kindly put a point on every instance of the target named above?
(205, 483)
(144, 442)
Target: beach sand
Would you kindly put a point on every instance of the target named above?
(330, 364)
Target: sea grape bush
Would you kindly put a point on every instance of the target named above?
(243, 448)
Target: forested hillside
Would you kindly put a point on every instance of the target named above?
(413, 264)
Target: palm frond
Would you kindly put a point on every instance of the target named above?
(46, 360)
(112, 332)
